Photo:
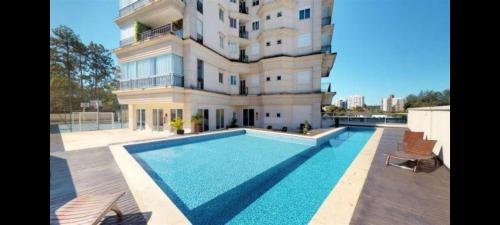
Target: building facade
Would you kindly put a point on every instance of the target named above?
(259, 62)
(355, 101)
(392, 104)
(341, 103)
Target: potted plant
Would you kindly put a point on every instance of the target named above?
(177, 124)
(233, 123)
(305, 130)
(197, 119)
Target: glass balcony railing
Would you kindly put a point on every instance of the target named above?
(156, 81)
(134, 7)
(326, 48)
(171, 28)
(326, 21)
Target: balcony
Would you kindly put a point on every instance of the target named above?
(199, 6)
(244, 58)
(244, 34)
(243, 9)
(134, 7)
(326, 21)
(172, 28)
(326, 48)
(244, 91)
(150, 82)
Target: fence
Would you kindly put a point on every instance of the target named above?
(88, 121)
(368, 120)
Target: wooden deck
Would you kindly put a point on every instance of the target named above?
(392, 195)
(88, 172)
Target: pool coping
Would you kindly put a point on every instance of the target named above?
(150, 198)
(339, 205)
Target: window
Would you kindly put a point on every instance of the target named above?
(232, 22)
(278, 78)
(233, 1)
(175, 113)
(255, 2)
(268, 17)
(268, 43)
(267, 114)
(278, 14)
(233, 80)
(221, 78)
(199, 29)
(199, 6)
(219, 118)
(221, 42)
(255, 25)
(278, 42)
(305, 14)
(233, 48)
(221, 15)
(278, 114)
(304, 40)
(268, 78)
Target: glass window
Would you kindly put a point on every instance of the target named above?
(278, 14)
(232, 22)
(233, 1)
(221, 42)
(255, 2)
(233, 80)
(233, 48)
(199, 27)
(221, 15)
(305, 14)
(221, 78)
(278, 42)
(268, 78)
(174, 113)
(268, 43)
(255, 25)
(268, 17)
(123, 71)
(278, 114)
(278, 78)
(219, 118)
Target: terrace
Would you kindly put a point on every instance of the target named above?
(387, 195)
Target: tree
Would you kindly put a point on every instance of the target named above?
(102, 70)
(428, 98)
(80, 51)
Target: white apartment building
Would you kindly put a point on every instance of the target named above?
(398, 104)
(355, 101)
(391, 103)
(259, 61)
(386, 105)
(341, 103)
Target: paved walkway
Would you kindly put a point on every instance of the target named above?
(392, 195)
(101, 138)
(91, 172)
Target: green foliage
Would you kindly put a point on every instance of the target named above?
(306, 127)
(177, 124)
(79, 72)
(427, 99)
(138, 29)
(197, 118)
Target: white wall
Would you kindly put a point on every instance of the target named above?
(435, 123)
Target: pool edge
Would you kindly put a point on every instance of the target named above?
(339, 205)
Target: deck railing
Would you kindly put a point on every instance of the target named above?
(369, 120)
(156, 81)
(163, 30)
(244, 58)
(243, 9)
(244, 34)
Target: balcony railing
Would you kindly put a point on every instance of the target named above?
(163, 30)
(243, 9)
(244, 34)
(326, 48)
(156, 81)
(244, 58)
(326, 87)
(326, 21)
(244, 91)
(134, 7)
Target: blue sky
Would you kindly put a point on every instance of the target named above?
(384, 46)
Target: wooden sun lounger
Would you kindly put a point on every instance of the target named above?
(87, 209)
(415, 151)
(409, 138)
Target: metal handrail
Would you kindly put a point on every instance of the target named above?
(243, 34)
(153, 81)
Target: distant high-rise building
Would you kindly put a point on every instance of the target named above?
(355, 101)
(391, 104)
(341, 103)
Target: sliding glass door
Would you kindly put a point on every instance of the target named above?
(158, 119)
(140, 119)
(219, 118)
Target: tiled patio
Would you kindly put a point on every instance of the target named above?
(395, 196)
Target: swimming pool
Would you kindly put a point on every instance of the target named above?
(249, 177)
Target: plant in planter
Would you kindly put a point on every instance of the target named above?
(305, 130)
(177, 125)
(197, 119)
(233, 123)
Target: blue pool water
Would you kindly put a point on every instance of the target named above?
(249, 178)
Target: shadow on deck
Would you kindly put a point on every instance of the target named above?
(392, 195)
(91, 172)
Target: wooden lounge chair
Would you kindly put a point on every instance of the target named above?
(408, 138)
(87, 209)
(414, 151)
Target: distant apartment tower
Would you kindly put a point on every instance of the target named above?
(391, 104)
(341, 103)
(355, 101)
(398, 104)
(260, 62)
(386, 104)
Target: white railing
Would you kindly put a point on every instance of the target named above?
(134, 6)
(156, 81)
(329, 120)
